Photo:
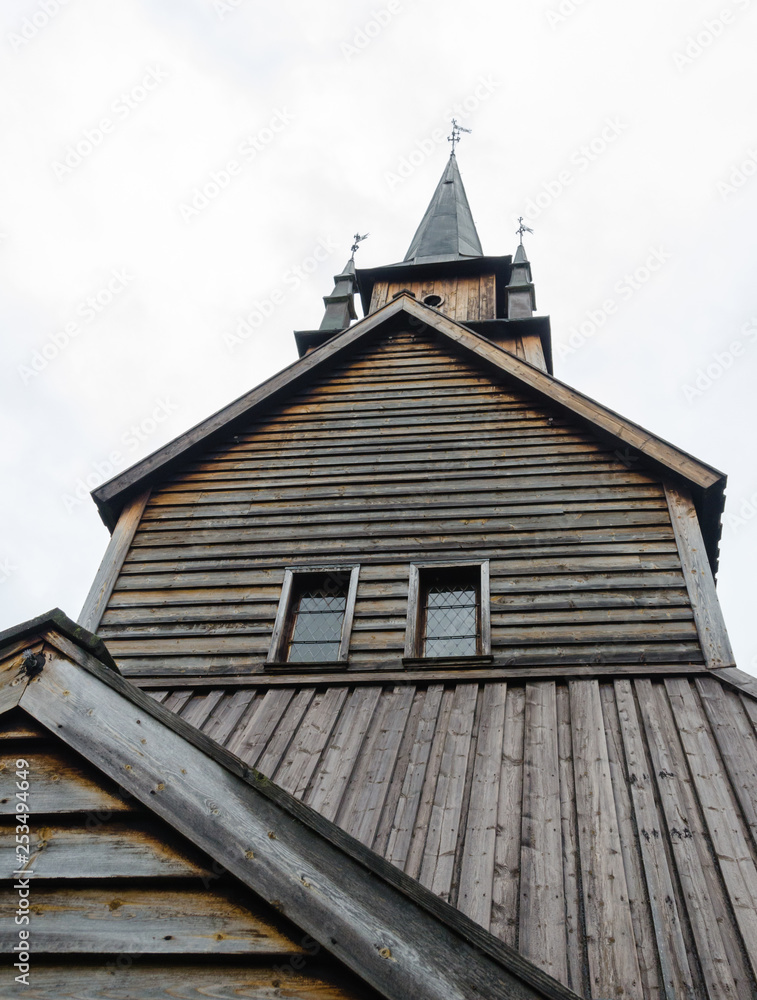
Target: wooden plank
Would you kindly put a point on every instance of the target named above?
(154, 921)
(474, 896)
(415, 852)
(104, 850)
(506, 884)
(227, 715)
(110, 567)
(542, 893)
(596, 605)
(190, 980)
(369, 674)
(339, 758)
(641, 919)
(197, 710)
(341, 894)
(713, 635)
(373, 612)
(723, 821)
(249, 740)
(677, 978)
(737, 742)
(571, 862)
(367, 788)
(301, 758)
(684, 832)
(610, 942)
(446, 814)
(57, 784)
(177, 699)
(401, 764)
(280, 737)
(16, 725)
(406, 810)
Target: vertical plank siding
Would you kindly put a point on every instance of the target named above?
(404, 451)
(603, 829)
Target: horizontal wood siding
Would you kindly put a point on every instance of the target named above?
(403, 452)
(121, 905)
(606, 829)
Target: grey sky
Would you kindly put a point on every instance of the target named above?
(625, 133)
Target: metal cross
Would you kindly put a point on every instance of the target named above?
(356, 245)
(522, 228)
(454, 137)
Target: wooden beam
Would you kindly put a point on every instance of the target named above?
(113, 560)
(700, 583)
(392, 932)
(428, 675)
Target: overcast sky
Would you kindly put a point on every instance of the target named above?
(173, 167)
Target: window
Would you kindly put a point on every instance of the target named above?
(448, 611)
(314, 618)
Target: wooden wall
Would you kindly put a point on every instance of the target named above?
(405, 451)
(464, 299)
(607, 830)
(121, 906)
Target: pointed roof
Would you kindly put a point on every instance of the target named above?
(390, 930)
(447, 230)
(340, 305)
(521, 299)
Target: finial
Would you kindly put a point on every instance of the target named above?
(356, 245)
(454, 137)
(522, 228)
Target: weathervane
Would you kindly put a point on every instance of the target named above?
(356, 245)
(522, 228)
(454, 137)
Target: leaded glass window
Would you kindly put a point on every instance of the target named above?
(317, 616)
(450, 615)
(448, 612)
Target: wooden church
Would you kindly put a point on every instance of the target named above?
(404, 676)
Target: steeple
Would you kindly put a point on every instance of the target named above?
(521, 298)
(340, 305)
(447, 230)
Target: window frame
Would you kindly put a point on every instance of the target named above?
(277, 654)
(413, 634)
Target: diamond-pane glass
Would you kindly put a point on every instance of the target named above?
(451, 620)
(318, 614)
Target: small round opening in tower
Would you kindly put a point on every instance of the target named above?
(433, 300)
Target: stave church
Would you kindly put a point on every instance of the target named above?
(403, 676)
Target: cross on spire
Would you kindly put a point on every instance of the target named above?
(356, 245)
(522, 228)
(454, 136)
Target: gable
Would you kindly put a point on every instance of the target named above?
(407, 449)
(407, 313)
(118, 898)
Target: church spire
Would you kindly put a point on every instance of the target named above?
(447, 230)
(521, 298)
(340, 305)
